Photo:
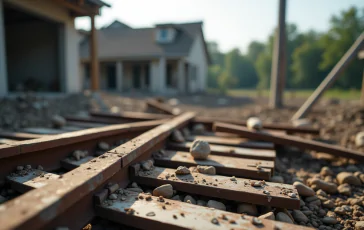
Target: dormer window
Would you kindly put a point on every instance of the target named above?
(165, 34)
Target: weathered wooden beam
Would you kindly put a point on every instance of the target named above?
(290, 141)
(94, 56)
(331, 77)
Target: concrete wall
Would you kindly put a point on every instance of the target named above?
(3, 71)
(57, 13)
(34, 57)
(198, 58)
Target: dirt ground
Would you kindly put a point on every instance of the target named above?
(340, 206)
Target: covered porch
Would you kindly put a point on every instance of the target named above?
(163, 76)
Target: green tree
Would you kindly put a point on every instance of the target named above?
(213, 73)
(255, 48)
(344, 30)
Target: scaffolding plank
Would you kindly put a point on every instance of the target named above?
(233, 141)
(259, 154)
(152, 214)
(222, 187)
(230, 166)
(290, 141)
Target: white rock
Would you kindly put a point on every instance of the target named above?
(359, 139)
(254, 123)
(303, 190)
(326, 171)
(147, 165)
(217, 205)
(344, 189)
(200, 149)
(211, 170)
(348, 178)
(165, 190)
(182, 170)
(328, 187)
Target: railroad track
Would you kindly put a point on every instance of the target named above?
(69, 178)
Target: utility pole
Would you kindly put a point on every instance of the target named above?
(279, 62)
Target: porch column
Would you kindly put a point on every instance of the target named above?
(162, 75)
(3, 71)
(119, 76)
(181, 76)
(93, 56)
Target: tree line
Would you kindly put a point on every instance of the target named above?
(310, 57)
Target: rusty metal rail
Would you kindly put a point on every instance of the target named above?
(290, 141)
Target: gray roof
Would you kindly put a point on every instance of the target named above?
(138, 43)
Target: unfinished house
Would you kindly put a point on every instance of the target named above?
(167, 59)
(39, 44)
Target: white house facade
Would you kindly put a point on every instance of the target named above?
(39, 45)
(166, 59)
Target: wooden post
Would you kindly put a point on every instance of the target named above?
(362, 90)
(94, 56)
(330, 78)
(279, 65)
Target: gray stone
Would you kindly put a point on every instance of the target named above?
(165, 190)
(348, 178)
(299, 216)
(249, 209)
(200, 149)
(303, 190)
(113, 196)
(277, 179)
(329, 220)
(344, 189)
(58, 121)
(326, 171)
(201, 202)
(328, 204)
(268, 216)
(147, 165)
(177, 136)
(176, 197)
(189, 199)
(182, 170)
(198, 129)
(206, 169)
(328, 187)
(283, 217)
(215, 204)
(103, 146)
(254, 123)
(134, 189)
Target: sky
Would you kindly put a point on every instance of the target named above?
(231, 23)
